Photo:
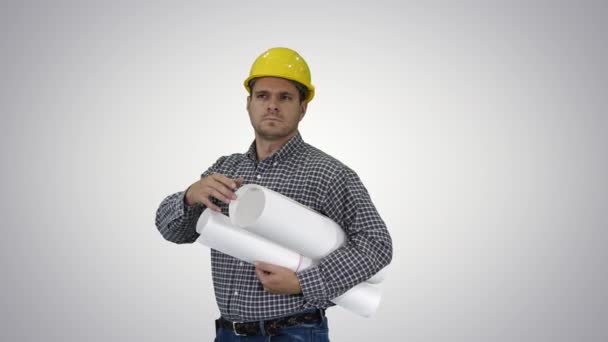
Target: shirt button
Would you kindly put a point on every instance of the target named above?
(236, 293)
(274, 164)
(259, 176)
(241, 263)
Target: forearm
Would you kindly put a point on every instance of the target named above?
(367, 250)
(176, 221)
(364, 255)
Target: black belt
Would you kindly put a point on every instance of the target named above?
(271, 326)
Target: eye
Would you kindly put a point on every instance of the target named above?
(286, 97)
(261, 96)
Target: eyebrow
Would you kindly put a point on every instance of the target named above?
(263, 91)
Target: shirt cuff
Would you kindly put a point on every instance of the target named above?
(312, 284)
(188, 211)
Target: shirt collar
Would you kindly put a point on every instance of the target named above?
(293, 145)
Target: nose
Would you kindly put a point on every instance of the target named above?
(272, 105)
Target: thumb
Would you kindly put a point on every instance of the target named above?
(239, 181)
(264, 266)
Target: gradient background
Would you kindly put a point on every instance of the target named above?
(479, 128)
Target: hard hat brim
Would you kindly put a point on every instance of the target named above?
(310, 87)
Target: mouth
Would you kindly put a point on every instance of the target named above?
(271, 118)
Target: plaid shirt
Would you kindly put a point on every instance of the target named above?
(314, 179)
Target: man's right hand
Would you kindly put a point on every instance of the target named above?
(215, 185)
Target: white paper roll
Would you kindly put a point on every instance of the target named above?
(218, 233)
(363, 299)
(279, 218)
(378, 277)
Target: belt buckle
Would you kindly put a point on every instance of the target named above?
(236, 331)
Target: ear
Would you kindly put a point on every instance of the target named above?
(303, 107)
(248, 102)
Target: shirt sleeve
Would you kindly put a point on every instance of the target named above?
(367, 250)
(175, 220)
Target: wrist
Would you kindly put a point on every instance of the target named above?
(187, 201)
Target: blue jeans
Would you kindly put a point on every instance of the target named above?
(313, 332)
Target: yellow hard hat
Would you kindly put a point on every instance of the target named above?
(284, 63)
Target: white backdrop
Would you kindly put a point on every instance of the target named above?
(479, 129)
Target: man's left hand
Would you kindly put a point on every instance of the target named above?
(277, 279)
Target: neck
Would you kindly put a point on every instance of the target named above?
(265, 147)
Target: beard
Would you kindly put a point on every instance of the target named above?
(274, 130)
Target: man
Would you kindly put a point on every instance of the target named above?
(264, 300)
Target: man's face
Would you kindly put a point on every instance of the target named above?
(274, 108)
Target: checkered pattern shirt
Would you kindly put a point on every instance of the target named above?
(314, 179)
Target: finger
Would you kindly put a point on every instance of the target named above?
(223, 189)
(229, 183)
(261, 275)
(207, 202)
(264, 266)
(239, 181)
(219, 195)
(264, 276)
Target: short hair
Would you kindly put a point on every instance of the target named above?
(302, 90)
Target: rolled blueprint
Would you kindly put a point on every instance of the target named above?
(363, 299)
(271, 215)
(281, 219)
(218, 233)
(378, 277)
